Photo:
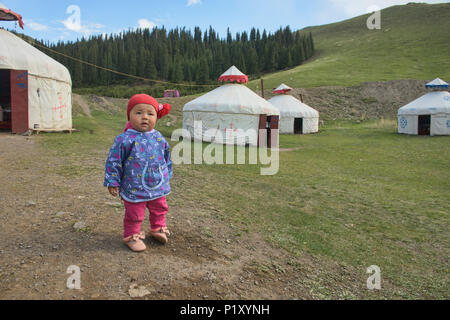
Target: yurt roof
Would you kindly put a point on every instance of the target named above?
(282, 89)
(233, 74)
(232, 98)
(437, 83)
(17, 54)
(292, 107)
(430, 103)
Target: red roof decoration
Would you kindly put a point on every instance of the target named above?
(234, 75)
(9, 15)
(282, 89)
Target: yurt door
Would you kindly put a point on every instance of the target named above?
(19, 101)
(262, 132)
(272, 132)
(5, 99)
(298, 126)
(268, 126)
(424, 125)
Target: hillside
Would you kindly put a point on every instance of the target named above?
(369, 100)
(412, 44)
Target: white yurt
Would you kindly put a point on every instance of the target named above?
(428, 115)
(295, 116)
(230, 113)
(35, 90)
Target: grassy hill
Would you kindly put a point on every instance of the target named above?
(412, 44)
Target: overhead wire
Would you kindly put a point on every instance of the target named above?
(35, 43)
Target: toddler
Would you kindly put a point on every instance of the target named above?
(138, 168)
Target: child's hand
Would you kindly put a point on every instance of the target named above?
(114, 191)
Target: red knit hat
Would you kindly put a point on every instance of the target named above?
(161, 110)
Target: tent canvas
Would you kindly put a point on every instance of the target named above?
(291, 111)
(434, 104)
(232, 112)
(41, 88)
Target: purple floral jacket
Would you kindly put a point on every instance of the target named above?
(139, 164)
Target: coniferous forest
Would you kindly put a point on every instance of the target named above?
(179, 56)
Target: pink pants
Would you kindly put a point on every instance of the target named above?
(135, 215)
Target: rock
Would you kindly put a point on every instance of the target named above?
(138, 292)
(81, 226)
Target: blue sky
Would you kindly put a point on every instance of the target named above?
(55, 20)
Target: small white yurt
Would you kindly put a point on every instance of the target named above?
(430, 114)
(232, 114)
(295, 116)
(35, 90)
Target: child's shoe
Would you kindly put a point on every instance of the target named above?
(160, 234)
(135, 242)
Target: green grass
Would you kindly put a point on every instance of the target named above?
(412, 44)
(353, 194)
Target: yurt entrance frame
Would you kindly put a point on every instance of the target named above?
(298, 125)
(424, 125)
(17, 99)
(268, 123)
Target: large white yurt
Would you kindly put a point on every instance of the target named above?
(231, 113)
(295, 116)
(428, 115)
(35, 90)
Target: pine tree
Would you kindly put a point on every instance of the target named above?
(180, 55)
(203, 72)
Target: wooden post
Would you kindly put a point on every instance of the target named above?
(262, 87)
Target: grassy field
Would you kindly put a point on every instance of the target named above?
(353, 194)
(412, 44)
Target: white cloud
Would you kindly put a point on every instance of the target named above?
(146, 24)
(352, 8)
(35, 26)
(193, 2)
